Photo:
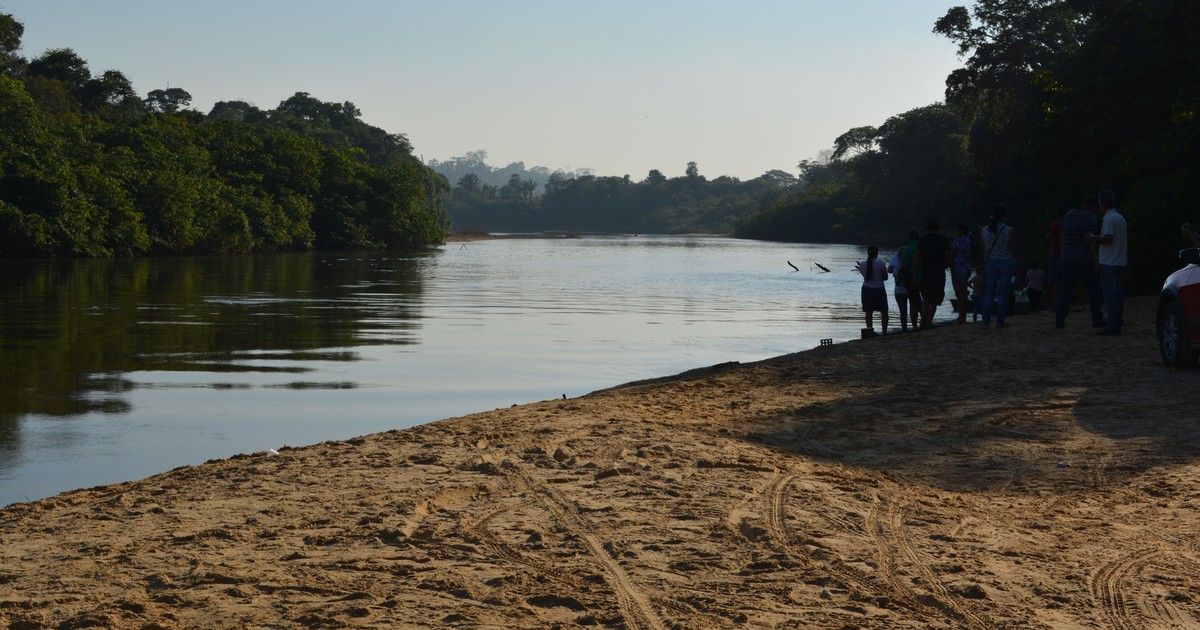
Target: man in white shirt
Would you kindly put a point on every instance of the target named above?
(1113, 257)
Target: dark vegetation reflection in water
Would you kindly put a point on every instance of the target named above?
(70, 330)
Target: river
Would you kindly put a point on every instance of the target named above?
(114, 370)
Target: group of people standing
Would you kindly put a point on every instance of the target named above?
(1088, 244)
(919, 270)
(1095, 250)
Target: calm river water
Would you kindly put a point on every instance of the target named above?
(113, 370)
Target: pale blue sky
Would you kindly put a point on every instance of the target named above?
(620, 86)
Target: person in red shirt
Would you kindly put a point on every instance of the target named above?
(1054, 269)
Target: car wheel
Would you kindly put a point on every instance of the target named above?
(1173, 343)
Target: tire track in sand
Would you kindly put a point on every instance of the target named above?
(634, 604)
(885, 523)
(507, 552)
(776, 515)
(886, 532)
(850, 578)
(1108, 588)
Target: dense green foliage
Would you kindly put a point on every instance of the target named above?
(89, 169)
(1057, 99)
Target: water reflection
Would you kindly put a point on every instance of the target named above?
(117, 370)
(71, 331)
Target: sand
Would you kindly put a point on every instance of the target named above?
(955, 478)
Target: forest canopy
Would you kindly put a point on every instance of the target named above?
(88, 168)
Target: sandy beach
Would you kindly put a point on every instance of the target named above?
(955, 478)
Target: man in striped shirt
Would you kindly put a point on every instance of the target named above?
(1079, 262)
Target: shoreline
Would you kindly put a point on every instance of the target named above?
(949, 478)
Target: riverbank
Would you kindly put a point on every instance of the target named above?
(1027, 477)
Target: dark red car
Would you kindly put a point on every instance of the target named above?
(1178, 320)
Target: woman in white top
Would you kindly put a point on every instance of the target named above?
(999, 243)
(874, 295)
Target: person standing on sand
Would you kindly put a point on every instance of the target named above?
(1079, 262)
(962, 248)
(999, 243)
(874, 293)
(906, 301)
(899, 291)
(908, 269)
(931, 261)
(1113, 257)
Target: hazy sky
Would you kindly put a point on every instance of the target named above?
(620, 86)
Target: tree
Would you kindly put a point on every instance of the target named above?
(270, 177)
(819, 171)
(922, 170)
(11, 31)
(232, 110)
(518, 188)
(111, 94)
(339, 125)
(469, 183)
(854, 142)
(692, 171)
(782, 179)
(54, 98)
(1012, 47)
(61, 64)
(512, 190)
(555, 182)
(1015, 50)
(32, 188)
(168, 101)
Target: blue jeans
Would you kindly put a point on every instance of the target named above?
(997, 278)
(1114, 296)
(1072, 271)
